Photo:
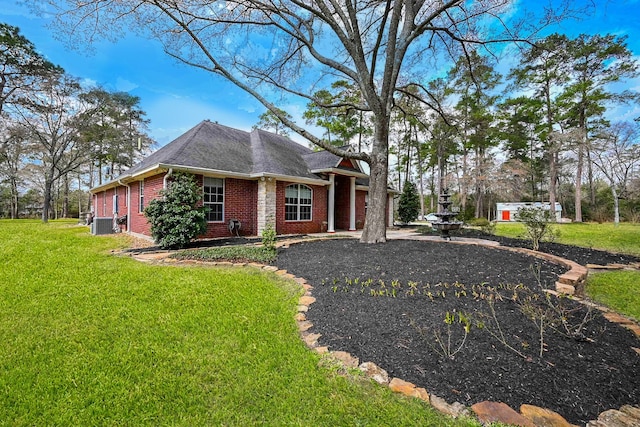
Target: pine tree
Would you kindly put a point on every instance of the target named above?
(409, 204)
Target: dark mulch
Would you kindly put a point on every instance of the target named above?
(578, 376)
(582, 256)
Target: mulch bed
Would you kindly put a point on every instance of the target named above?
(395, 318)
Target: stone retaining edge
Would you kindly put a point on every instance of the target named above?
(486, 412)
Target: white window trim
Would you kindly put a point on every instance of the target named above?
(298, 205)
(224, 192)
(141, 196)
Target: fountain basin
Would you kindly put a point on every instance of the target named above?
(441, 226)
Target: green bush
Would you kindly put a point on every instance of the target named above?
(175, 217)
(478, 222)
(485, 225)
(409, 203)
(269, 238)
(538, 225)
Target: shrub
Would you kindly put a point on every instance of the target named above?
(409, 203)
(175, 217)
(537, 223)
(485, 225)
(478, 222)
(269, 238)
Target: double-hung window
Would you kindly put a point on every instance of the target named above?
(141, 194)
(298, 203)
(214, 198)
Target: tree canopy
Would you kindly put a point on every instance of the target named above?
(288, 46)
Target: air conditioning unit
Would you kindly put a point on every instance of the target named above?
(102, 225)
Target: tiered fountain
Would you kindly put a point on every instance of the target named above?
(445, 223)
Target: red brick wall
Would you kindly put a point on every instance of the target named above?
(361, 212)
(342, 204)
(103, 203)
(152, 187)
(318, 213)
(240, 202)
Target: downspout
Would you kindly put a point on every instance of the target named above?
(128, 205)
(166, 178)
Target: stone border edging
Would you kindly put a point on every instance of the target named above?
(486, 412)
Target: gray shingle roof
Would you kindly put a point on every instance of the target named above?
(208, 146)
(219, 148)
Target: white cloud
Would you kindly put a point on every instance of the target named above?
(124, 85)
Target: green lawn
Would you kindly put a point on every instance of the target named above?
(625, 238)
(619, 290)
(89, 338)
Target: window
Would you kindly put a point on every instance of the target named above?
(141, 193)
(214, 198)
(297, 203)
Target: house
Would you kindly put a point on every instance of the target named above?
(507, 211)
(256, 178)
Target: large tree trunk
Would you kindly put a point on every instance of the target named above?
(578, 183)
(65, 197)
(375, 225)
(553, 178)
(46, 206)
(616, 205)
(14, 205)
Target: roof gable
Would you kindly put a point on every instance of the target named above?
(224, 150)
(206, 146)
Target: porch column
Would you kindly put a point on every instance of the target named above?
(390, 210)
(331, 205)
(266, 208)
(352, 204)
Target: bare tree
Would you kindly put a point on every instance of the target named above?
(13, 153)
(49, 119)
(616, 153)
(295, 47)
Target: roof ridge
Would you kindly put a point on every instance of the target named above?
(194, 131)
(256, 142)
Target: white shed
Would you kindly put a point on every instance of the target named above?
(507, 211)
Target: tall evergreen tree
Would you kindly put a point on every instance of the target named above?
(474, 80)
(596, 62)
(409, 203)
(543, 70)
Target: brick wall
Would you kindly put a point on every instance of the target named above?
(361, 212)
(240, 201)
(343, 184)
(152, 187)
(318, 214)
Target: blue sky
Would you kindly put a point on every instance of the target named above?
(177, 97)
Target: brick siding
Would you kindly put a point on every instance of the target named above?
(318, 214)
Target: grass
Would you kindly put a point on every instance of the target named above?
(623, 238)
(89, 338)
(619, 290)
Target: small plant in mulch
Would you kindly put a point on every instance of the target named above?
(538, 225)
(547, 313)
(228, 253)
(444, 342)
(269, 238)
